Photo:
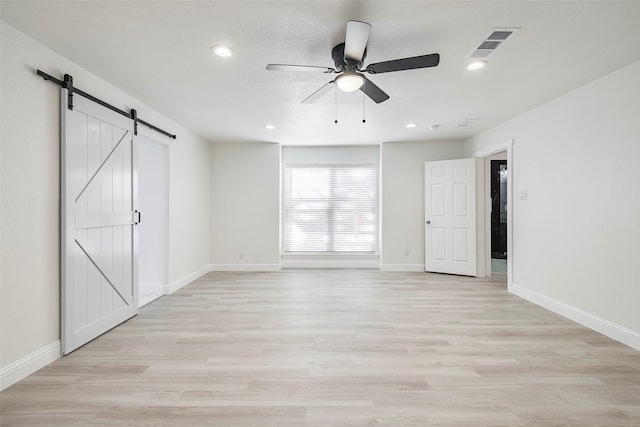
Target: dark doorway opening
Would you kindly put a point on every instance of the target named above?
(499, 209)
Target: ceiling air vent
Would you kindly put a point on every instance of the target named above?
(489, 44)
(468, 122)
(495, 39)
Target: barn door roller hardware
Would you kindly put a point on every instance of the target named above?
(67, 83)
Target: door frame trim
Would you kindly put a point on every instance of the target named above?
(484, 258)
(148, 138)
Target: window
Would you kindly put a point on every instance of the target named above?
(330, 208)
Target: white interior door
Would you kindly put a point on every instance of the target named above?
(98, 218)
(450, 216)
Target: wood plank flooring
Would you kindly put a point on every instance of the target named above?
(337, 348)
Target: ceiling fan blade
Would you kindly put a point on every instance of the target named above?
(356, 40)
(373, 91)
(318, 94)
(424, 61)
(287, 67)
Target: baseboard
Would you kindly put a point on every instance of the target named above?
(184, 281)
(412, 268)
(598, 324)
(149, 292)
(29, 364)
(244, 267)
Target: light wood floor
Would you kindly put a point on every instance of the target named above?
(337, 348)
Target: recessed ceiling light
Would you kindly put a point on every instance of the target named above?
(411, 125)
(222, 51)
(476, 65)
(269, 127)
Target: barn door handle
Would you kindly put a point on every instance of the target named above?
(137, 217)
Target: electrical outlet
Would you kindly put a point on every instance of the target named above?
(241, 255)
(406, 252)
(523, 194)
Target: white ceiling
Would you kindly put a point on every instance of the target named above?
(158, 52)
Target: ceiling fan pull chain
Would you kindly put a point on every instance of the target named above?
(336, 105)
(363, 103)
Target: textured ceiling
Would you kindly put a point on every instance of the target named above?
(159, 53)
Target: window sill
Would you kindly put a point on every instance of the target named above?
(330, 260)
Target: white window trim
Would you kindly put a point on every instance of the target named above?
(364, 259)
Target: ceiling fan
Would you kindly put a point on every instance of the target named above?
(349, 58)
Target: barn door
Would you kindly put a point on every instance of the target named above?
(450, 216)
(98, 221)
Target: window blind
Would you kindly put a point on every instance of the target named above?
(330, 208)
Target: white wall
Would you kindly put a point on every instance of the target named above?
(30, 289)
(189, 193)
(245, 198)
(577, 236)
(402, 170)
(331, 155)
(245, 207)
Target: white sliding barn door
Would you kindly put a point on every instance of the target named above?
(98, 233)
(450, 216)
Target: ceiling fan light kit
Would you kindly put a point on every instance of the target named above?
(349, 82)
(349, 57)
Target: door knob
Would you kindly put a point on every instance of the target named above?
(428, 221)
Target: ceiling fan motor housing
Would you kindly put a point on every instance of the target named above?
(342, 64)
